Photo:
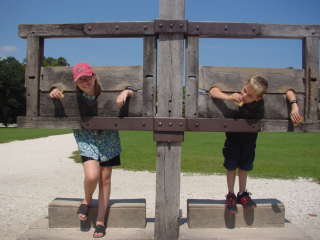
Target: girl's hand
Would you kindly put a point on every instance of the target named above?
(122, 97)
(56, 93)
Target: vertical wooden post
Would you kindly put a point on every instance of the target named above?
(192, 77)
(35, 50)
(149, 75)
(170, 72)
(311, 67)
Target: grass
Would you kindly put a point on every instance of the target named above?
(14, 134)
(278, 155)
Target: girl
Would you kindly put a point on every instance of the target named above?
(99, 149)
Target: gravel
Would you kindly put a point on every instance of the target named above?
(34, 172)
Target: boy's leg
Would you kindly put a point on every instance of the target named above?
(243, 197)
(231, 199)
(242, 180)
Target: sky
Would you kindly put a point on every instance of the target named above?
(270, 53)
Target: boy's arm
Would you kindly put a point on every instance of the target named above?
(295, 116)
(215, 92)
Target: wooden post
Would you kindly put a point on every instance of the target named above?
(32, 75)
(311, 67)
(192, 77)
(170, 72)
(149, 75)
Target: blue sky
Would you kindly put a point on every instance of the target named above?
(214, 52)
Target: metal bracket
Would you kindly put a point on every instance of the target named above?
(171, 26)
(217, 29)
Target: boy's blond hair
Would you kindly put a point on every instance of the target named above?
(259, 84)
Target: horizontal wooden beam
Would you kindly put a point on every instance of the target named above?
(141, 29)
(112, 78)
(232, 79)
(152, 124)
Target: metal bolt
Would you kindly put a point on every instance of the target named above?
(145, 27)
(253, 29)
(89, 28)
(117, 27)
(225, 126)
(160, 25)
(116, 124)
(170, 124)
(198, 27)
(226, 28)
(159, 124)
(143, 124)
(181, 25)
(171, 25)
(180, 124)
(197, 124)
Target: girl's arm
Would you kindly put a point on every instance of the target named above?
(122, 97)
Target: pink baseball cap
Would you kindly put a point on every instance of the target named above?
(81, 69)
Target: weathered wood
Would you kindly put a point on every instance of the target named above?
(102, 29)
(289, 31)
(112, 78)
(170, 74)
(232, 79)
(311, 66)
(275, 107)
(49, 122)
(106, 105)
(149, 75)
(192, 77)
(32, 75)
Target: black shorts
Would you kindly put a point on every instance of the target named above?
(112, 162)
(239, 155)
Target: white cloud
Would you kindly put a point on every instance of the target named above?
(7, 49)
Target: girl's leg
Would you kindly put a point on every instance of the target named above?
(104, 193)
(91, 170)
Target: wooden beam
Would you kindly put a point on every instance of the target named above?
(311, 67)
(32, 75)
(169, 94)
(149, 75)
(232, 79)
(192, 77)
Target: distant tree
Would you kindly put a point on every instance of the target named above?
(12, 89)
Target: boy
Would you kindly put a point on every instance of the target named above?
(239, 147)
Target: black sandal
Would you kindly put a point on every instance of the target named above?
(99, 229)
(83, 209)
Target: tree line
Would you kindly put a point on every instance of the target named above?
(12, 86)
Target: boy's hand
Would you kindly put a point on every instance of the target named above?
(122, 97)
(56, 93)
(236, 97)
(295, 116)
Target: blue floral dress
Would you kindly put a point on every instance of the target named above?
(101, 145)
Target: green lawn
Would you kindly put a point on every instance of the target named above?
(278, 155)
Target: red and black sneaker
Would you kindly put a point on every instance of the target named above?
(245, 200)
(231, 203)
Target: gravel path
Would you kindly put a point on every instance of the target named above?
(34, 172)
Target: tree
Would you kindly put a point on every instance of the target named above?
(12, 89)
(12, 92)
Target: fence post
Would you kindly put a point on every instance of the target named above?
(311, 67)
(170, 73)
(35, 48)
